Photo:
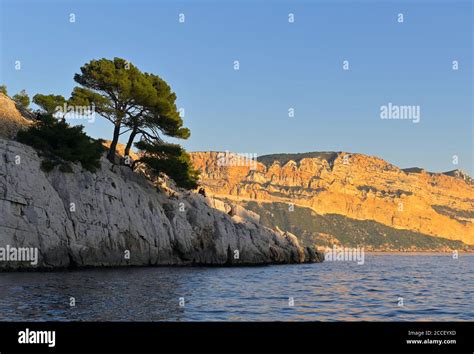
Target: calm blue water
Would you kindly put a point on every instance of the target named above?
(433, 287)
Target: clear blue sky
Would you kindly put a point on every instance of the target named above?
(282, 65)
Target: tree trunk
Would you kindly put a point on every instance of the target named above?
(133, 134)
(113, 145)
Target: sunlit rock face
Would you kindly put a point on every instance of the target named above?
(354, 185)
(11, 119)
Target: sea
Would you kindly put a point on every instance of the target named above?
(386, 287)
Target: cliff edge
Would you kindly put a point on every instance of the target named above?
(116, 217)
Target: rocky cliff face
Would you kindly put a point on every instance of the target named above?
(11, 119)
(353, 185)
(116, 217)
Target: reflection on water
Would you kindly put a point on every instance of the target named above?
(433, 287)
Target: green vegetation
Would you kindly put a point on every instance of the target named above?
(60, 144)
(393, 193)
(22, 99)
(140, 103)
(170, 159)
(3, 89)
(49, 103)
(325, 230)
(456, 214)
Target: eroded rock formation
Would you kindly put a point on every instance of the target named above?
(354, 185)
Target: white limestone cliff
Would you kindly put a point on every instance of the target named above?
(98, 219)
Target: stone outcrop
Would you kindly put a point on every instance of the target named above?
(116, 217)
(11, 119)
(354, 185)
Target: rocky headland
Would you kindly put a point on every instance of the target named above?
(117, 217)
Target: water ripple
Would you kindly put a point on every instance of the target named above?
(433, 287)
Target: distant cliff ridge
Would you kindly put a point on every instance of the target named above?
(357, 187)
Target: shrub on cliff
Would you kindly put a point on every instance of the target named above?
(61, 143)
(170, 159)
(22, 99)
